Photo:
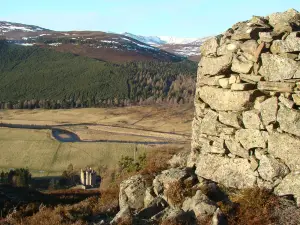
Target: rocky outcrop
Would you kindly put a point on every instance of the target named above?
(247, 129)
(132, 192)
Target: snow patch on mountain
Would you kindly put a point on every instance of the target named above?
(162, 40)
(8, 26)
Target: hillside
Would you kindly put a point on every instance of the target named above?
(109, 47)
(187, 47)
(36, 77)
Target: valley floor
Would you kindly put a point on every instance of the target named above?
(99, 136)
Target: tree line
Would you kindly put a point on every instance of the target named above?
(33, 77)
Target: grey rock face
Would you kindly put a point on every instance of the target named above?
(229, 118)
(284, 17)
(230, 172)
(236, 149)
(268, 110)
(228, 48)
(285, 147)
(250, 78)
(214, 66)
(125, 212)
(246, 129)
(132, 192)
(242, 87)
(270, 168)
(251, 119)
(290, 185)
(223, 100)
(276, 86)
(167, 177)
(245, 32)
(199, 204)
(277, 68)
(250, 138)
(286, 102)
(249, 47)
(241, 66)
(211, 81)
(266, 36)
(209, 47)
(157, 205)
(290, 44)
(289, 120)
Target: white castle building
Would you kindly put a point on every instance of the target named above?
(88, 177)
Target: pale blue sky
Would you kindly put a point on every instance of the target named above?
(182, 18)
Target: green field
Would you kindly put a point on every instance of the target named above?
(38, 151)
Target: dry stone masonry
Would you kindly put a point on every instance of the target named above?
(246, 129)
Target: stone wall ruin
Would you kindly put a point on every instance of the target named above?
(246, 129)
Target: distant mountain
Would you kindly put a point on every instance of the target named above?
(187, 47)
(108, 47)
(162, 40)
(9, 26)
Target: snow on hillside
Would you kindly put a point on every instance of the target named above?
(162, 40)
(180, 46)
(8, 26)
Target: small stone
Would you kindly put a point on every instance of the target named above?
(250, 78)
(251, 119)
(288, 103)
(250, 138)
(227, 130)
(258, 101)
(209, 47)
(256, 67)
(215, 66)
(234, 79)
(236, 149)
(282, 17)
(249, 47)
(245, 32)
(132, 192)
(240, 65)
(296, 99)
(260, 152)
(289, 120)
(229, 118)
(275, 86)
(266, 36)
(290, 185)
(268, 110)
(162, 182)
(200, 204)
(253, 163)
(277, 68)
(211, 81)
(229, 47)
(289, 45)
(235, 173)
(285, 147)
(270, 168)
(223, 100)
(224, 83)
(243, 87)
